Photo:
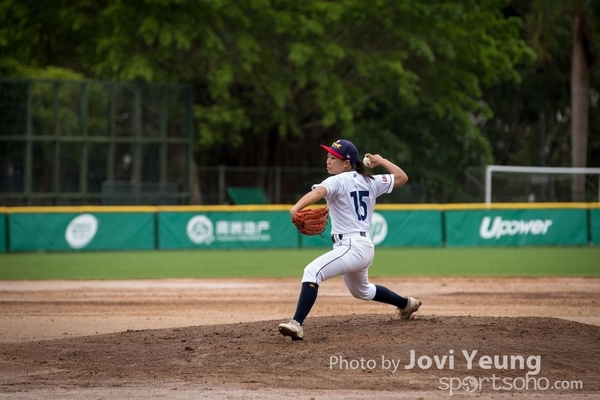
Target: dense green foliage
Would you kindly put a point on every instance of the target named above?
(419, 82)
(532, 119)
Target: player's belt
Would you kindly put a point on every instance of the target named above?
(337, 237)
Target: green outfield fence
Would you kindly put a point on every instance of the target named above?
(99, 228)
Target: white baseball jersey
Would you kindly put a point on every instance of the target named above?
(351, 199)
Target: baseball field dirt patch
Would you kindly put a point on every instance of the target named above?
(485, 337)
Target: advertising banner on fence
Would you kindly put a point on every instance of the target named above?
(595, 225)
(530, 227)
(224, 230)
(2, 233)
(75, 231)
(396, 228)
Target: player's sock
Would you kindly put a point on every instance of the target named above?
(385, 295)
(308, 296)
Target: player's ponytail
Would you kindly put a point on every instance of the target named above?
(362, 170)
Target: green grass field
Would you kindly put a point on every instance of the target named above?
(546, 261)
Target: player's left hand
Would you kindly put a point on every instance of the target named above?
(311, 221)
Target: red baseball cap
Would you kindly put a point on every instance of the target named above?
(343, 149)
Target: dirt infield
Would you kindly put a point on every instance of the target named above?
(488, 337)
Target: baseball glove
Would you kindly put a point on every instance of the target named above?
(311, 221)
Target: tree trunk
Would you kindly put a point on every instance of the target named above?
(579, 109)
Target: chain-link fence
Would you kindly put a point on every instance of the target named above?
(62, 141)
(516, 187)
(217, 185)
(116, 143)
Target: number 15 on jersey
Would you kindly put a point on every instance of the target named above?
(359, 203)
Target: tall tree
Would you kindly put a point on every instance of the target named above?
(543, 19)
(272, 76)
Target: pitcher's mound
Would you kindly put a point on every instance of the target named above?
(425, 356)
